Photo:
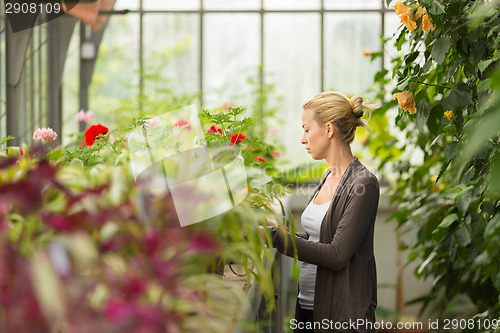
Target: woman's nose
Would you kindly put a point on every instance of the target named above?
(304, 139)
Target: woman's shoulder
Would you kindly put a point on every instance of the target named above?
(361, 175)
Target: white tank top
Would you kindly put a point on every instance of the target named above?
(311, 222)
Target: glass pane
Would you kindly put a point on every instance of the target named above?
(353, 4)
(229, 59)
(171, 4)
(392, 28)
(291, 4)
(171, 53)
(292, 62)
(231, 4)
(116, 79)
(347, 37)
(126, 4)
(70, 86)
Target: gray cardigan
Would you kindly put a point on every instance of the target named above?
(346, 279)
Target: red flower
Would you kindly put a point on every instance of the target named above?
(249, 148)
(261, 159)
(275, 154)
(236, 138)
(93, 132)
(214, 129)
(183, 124)
(21, 152)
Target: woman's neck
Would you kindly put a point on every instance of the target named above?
(339, 159)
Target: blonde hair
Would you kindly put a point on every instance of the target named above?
(344, 113)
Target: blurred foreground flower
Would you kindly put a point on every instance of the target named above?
(406, 101)
(86, 117)
(45, 134)
(93, 131)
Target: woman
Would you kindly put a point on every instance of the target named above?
(337, 285)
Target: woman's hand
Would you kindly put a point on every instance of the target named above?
(270, 226)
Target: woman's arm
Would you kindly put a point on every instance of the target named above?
(350, 232)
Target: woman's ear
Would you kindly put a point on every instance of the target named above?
(330, 130)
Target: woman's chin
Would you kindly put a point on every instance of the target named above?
(314, 157)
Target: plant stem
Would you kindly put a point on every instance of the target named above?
(430, 84)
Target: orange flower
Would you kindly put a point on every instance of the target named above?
(409, 21)
(406, 15)
(406, 101)
(367, 53)
(420, 11)
(427, 24)
(400, 8)
(449, 114)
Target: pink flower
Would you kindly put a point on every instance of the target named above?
(236, 138)
(152, 122)
(275, 154)
(183, 124)
(228, 105)
(260, 159)
(214, 129)
(273, 131)
(45, 134)
(249, 148)
(86, 117)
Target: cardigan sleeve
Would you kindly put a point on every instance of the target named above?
(351, 230)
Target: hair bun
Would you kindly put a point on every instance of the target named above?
(357, 106)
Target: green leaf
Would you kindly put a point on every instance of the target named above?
(441, 48)
(436, 139)
(437, 8)
(484, 85)
(423, 108)
(477, 54)
(448, 220)
(482, 130)
(460, 95)
(434, 120)
(426, 262)
(492, 226)
(411, 57)
(484, 64)
(451, 150)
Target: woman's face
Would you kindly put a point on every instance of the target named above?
(316, 138)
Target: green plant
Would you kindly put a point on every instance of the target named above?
(450, 195)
